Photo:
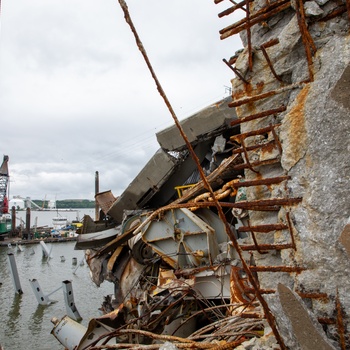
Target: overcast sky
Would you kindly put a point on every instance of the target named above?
(76, 96)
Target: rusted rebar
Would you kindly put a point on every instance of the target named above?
(262, 291)
(305, 36)
(267, 58)
(259, 182)
(251, 315)
(274, 203)
(268, 314)
(257, 247)
(263, 202)
(264, 95)
(281, 268)
(232, 9)
(348, 7)
(263, 228)
(241, 22)
(258, 115)
(277, 141)
(256, 132)
(259, 16)
(313, 295)
(264, 247)
(249, 37)
(326, 320)
(304, 295)
(246, 155)
(236, 71)
(270, 43)
(340, 323)
(334, 13)
(290, 227)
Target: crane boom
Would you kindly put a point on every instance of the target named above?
(4, 178)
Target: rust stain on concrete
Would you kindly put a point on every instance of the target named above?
(345, 238)
(294, 125)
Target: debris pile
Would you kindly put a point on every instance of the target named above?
(235, 234)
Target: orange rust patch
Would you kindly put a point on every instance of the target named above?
(259, 87)
(268, 148)
(295, 123)
(345, 238)
(237, 94)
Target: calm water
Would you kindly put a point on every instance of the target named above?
(25, 324)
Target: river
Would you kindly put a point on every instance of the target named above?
(24, 323)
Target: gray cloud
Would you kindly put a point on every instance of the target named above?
(76, 96)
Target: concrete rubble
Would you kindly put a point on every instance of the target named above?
(255, 254)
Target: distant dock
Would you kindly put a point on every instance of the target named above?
(16, 240)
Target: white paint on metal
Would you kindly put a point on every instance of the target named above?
(71, 308)
(14, 273)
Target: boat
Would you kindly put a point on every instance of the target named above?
(5, 224)
(59, 222)
(61, 227)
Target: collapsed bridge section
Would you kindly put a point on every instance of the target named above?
(278, 171)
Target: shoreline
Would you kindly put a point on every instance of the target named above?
(17, 240)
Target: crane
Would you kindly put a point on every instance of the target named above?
(4, 178)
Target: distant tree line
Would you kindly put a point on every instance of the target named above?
(67, 203)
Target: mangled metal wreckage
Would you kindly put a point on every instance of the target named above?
(176, 274)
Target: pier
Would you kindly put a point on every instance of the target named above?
(17, 240)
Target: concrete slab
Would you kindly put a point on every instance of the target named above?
(198, 125)
(145, 185)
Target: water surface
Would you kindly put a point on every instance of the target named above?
(25, 324)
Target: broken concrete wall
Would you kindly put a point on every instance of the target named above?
(311, 60)
(171, 165)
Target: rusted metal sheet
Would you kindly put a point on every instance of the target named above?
(105, 200)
